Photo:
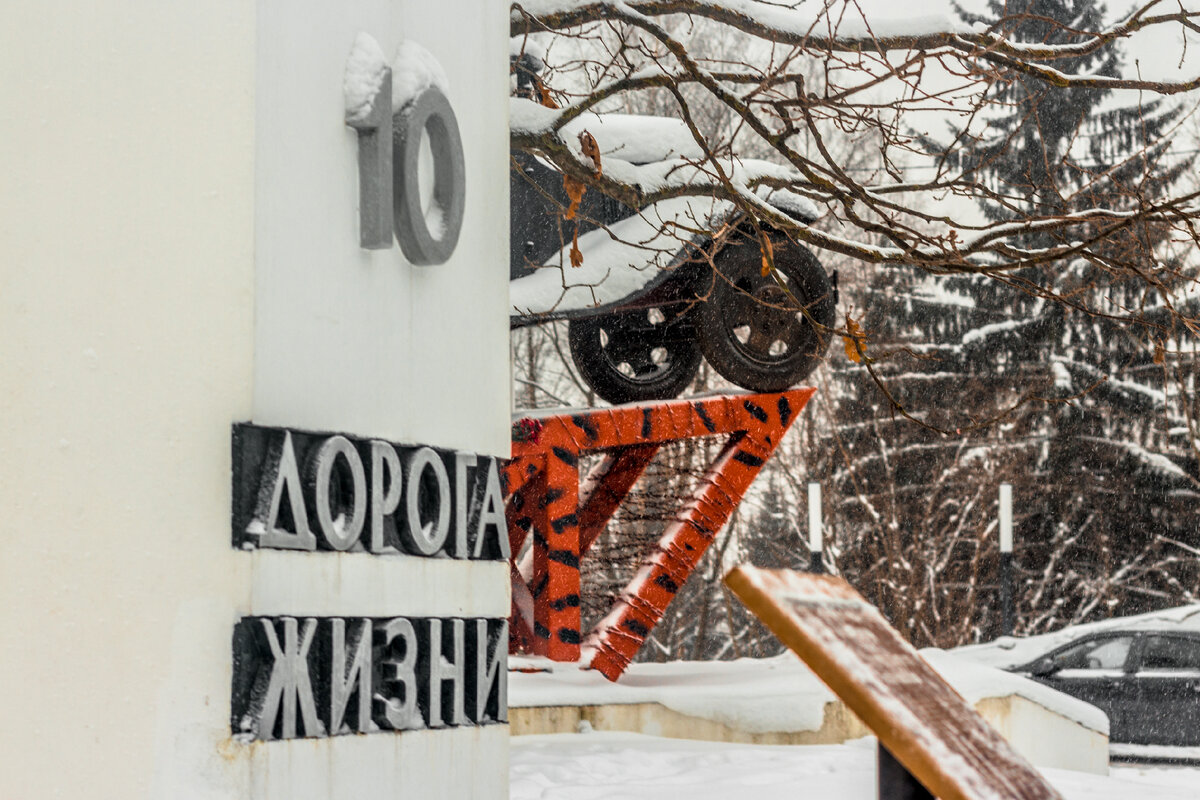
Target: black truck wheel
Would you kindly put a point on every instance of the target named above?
(757, 331)
(637, 355)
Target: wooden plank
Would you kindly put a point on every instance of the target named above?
(917, 716)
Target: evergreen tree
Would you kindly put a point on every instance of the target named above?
(1058, 152)
(1087, 431)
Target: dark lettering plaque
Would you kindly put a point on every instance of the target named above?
(313, 677)
(297, 490)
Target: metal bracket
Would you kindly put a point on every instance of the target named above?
(547, 500)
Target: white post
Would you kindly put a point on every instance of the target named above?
(1006, 530)
(815, 543)
(1007, 612)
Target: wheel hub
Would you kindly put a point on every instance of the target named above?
(639, 344)
(764, 328)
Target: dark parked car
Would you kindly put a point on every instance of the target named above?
(1147, 681)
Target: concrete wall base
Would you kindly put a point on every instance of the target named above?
(1045, 738)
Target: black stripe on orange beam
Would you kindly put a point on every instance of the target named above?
(756, 411)
(569, 636)
(540, 586)
(567, 601)
(785, 410)
(541, 631)
(566, 456)
(635, 627)
(524, 523)
(666, 582)
(563, 522)
(704, 417)
(549, 497)
(516, 501)
(565, 557)
(647, 422)
(749, 459)
(584, 423)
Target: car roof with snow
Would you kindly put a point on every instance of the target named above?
(1008, 651)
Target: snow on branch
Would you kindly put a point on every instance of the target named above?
(1128, 395)
(781, 106)
(936, 143)
(1152, 468)
(843, 27)
(980, 339)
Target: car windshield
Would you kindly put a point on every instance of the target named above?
(1107, 653)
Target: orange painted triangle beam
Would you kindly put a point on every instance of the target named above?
(617, 638)
(547, 504)
(600, 494)
(607, 486)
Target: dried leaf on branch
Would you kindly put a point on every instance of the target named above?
(855, 340)
(574, 190)
(768, 255)
(576, 254)
(587, 144)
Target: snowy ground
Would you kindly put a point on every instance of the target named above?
(629, 766)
